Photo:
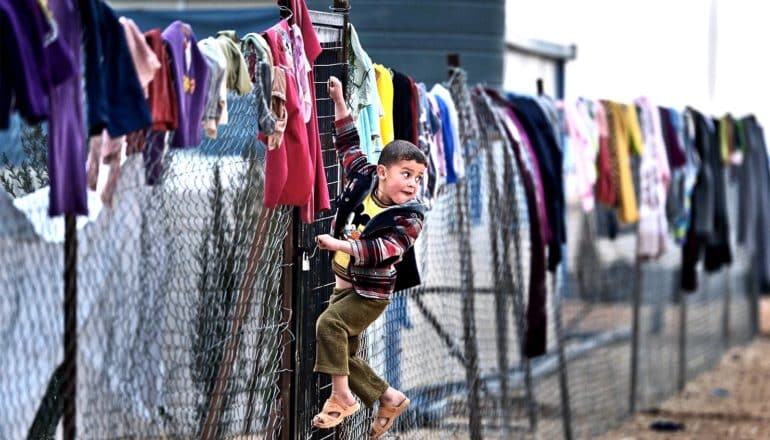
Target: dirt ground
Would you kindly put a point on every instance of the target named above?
(731, 401)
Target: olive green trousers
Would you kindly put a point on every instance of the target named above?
(337, 338)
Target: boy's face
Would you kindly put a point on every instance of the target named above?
(399, 182)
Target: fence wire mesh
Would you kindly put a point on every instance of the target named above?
(453, 344)
(178, 303)
(680, 334)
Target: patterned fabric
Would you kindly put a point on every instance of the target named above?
(581, 151)
(356, 222)
(683, 181)
(388, 237)
(350, 154)
(466, 115)
(278, 108)
(301, 69)
(654, 177)
(469, 138)
(428, 140)
(260, 64)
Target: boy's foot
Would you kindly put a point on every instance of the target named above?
(392, 397)
(334, 411)
(386, 415)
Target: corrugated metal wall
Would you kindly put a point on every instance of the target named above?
(414, 37)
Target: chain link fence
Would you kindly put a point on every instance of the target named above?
(196, 314)
(453, 344)
(177, 298)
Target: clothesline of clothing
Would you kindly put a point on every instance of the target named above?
(661, 168)
(681, 161)
(147, 92)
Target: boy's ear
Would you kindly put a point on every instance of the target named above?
(381, 169)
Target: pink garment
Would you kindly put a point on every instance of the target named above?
(145, 60)
(108, 151)
(319, 194)
(660, 154)
(301, 70)
(292, 157)
(583, 154)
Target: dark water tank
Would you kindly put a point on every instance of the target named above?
(415, 36)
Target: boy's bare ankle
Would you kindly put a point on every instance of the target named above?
(392, 397)
(346, 397)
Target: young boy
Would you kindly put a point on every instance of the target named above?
(377, 223)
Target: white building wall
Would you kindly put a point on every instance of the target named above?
(522, 72)
(708, 54)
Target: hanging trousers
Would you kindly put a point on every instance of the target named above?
(338, 331)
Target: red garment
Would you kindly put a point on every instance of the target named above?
(161, 93)
(606, 182)
(319, 196)
(289, 172)
(161, 96)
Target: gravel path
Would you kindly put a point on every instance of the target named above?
(731, 401)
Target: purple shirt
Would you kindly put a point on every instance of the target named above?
(37, 65)
(674, 150)
(191, 82)
(66, 128)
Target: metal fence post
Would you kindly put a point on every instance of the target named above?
(726, 309)
(469, 321)
(754, 296)
(566, 411)
(288, 363)
(470, 351)
(682, 377)
(69, 387)
(637, 304)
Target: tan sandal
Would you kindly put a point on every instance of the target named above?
(389, 414)
(325, 419)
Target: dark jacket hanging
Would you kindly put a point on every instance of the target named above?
(549, 158)
(404, 117)
(754, 200)
(114, 95)
(709, 231)
(537, 314)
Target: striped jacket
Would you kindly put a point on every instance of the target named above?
(383, 259)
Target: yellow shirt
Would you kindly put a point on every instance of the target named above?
(634, 129)
(385, 90)
(360, 217)
(627, 136)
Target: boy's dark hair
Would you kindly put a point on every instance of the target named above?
(401, 150)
